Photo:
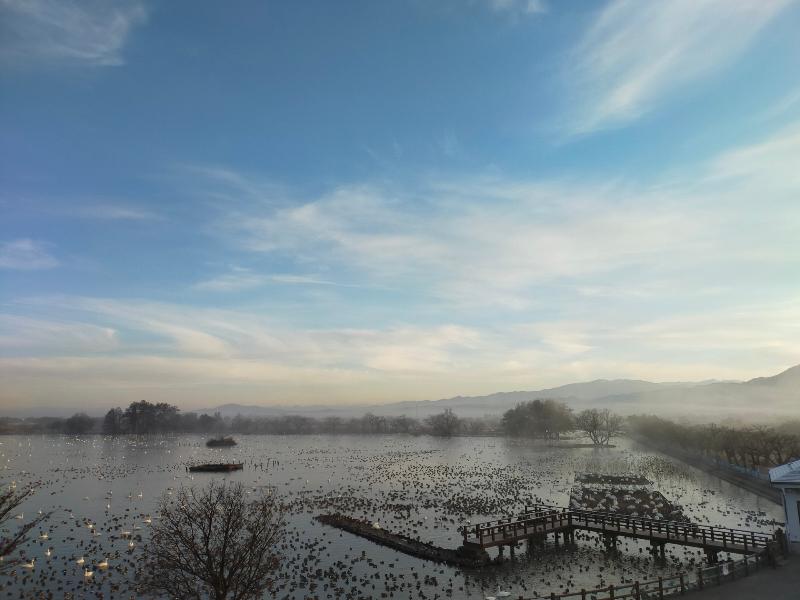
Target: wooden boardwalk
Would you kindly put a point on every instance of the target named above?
(540, 520)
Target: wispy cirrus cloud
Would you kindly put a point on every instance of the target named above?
(240, 278)
(115, 212)
(518, 8)
(26, 255)
(494, 242)
(635, 54)
(25, 334)
(91, 32)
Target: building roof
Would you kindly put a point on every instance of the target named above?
(788, 473)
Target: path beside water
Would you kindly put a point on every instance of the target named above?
(782, 583)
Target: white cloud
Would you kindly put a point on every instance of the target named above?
(86, 32)
(519, 7)
(25, 255)
(254, 359)
(24, 334)
(114, 212)
(494, 242)
(773, 161)
(239, 278)
(637, 53)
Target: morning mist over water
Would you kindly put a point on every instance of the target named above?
(464, 299)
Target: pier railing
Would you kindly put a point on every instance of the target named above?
(544, 518)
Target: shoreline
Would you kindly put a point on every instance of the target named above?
(762, 489)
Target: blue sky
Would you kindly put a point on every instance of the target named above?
(317, 202)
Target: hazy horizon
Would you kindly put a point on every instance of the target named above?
(378, 202)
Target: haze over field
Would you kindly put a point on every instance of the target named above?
(280, 205)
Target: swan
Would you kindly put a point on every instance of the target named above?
(81, 560)
(87, 573)
(29, 565)
(103, 564)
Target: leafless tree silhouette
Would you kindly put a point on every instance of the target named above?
(11, 539)
(214, 543)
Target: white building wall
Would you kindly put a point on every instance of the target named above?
(791, 502)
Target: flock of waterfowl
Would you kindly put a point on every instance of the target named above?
(103, 492)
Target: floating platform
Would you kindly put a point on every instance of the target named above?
(216, 467)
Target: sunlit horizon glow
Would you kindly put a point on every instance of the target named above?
(280, 205)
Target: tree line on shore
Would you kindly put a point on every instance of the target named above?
(750, 447)
(543, 419)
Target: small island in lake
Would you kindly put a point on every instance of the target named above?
(221, 442)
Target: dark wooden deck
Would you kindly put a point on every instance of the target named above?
(540, 520)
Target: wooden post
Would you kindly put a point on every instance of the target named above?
(746, 565)
(552, 596)
(719, 574)
(660, 588)
(700, 578)
(583, 594)
(683, 586)
(637, 593)
(611, 592)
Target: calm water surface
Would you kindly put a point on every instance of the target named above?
(421, 486)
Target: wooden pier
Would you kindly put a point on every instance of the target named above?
(540, 520)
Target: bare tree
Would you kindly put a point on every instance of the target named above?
(213, 543)
(600, 425)
(445, 423)
(11, 540)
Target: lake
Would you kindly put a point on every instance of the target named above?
(422, 486)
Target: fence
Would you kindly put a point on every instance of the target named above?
(664, 587)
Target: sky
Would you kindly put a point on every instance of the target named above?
(319, 202)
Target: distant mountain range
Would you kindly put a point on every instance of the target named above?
(760, 398)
